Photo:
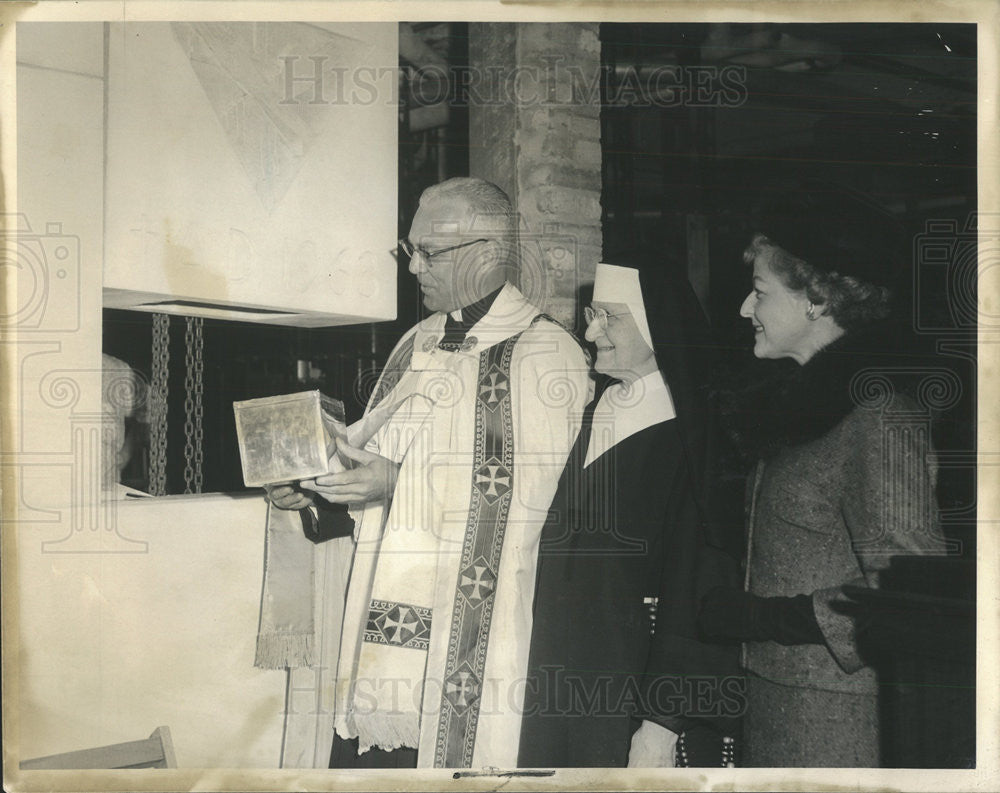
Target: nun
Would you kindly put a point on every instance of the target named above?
(617, 674)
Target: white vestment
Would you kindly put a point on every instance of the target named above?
(437, 619)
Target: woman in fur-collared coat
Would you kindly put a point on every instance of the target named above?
(839, 489)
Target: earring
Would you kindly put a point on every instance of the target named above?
(810, 312)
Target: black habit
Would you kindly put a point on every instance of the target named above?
(626, 554)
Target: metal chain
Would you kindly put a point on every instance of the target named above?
(199, 410)
(158, 405)
(193, 376)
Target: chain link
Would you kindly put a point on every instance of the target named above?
(199, 410)
(188, 404)
(193, 412)
(158, 405)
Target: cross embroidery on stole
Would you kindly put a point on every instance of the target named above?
(492, 483)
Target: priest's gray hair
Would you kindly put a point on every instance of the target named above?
(491, 213)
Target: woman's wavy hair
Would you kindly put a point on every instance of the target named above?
(851, 302)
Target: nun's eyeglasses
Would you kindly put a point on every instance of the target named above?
(410, 250)
(590, 314)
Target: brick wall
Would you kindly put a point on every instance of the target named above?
(539, 139)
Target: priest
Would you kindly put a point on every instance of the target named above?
(455, 464)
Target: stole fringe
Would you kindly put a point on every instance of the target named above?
(281, 650)
(387, 731)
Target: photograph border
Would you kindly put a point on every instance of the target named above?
(987, 773)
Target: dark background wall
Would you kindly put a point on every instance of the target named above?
(734, 111)
(889, 110)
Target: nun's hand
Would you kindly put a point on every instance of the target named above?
(653, 746)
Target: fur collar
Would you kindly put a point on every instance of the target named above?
(796, 404)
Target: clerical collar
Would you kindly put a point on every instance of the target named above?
(625, 410)
(472, 313)
(459, 322)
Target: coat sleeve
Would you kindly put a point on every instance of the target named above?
(890, 509)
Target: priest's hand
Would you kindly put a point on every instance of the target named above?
(372, 479)
(287, 497)
(653, 746)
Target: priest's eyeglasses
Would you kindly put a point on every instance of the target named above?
(409, 249)
(590, 314)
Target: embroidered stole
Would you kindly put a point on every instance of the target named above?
(383, 666)
(492, 483)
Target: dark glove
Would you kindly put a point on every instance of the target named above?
(737, 615)
(333, 521)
